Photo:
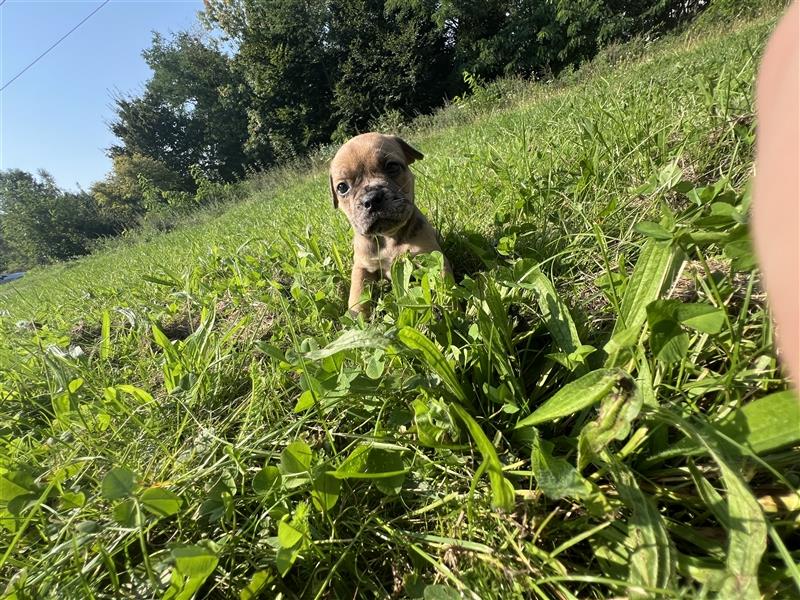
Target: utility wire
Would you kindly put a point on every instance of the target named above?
(61, 39)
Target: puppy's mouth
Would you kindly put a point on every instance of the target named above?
(378, 224)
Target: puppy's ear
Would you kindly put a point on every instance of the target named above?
(410, 152)
(333, 193)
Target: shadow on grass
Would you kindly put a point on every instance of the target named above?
(469, 253)
(472, 252)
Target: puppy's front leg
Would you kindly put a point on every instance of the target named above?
(448, 269)
(358, 278)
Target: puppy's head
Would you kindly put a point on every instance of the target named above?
(372, 184)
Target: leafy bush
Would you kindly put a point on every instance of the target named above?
(213, 192)
(41, 223)
(121, 193)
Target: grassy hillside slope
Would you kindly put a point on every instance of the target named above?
(595, 409)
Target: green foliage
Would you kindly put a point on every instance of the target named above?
(196, 414)
(192, 566)
(6, 259)
(318, 71)
(516, 37)
(282, 53)
(41, 223)
(141, 192)
(722, 12)
(122, 194)
(577, 395)
(589, 25)
(390, 56)
(193, 111)
(766, 424)
(118, 483)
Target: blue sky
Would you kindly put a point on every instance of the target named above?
(56, 115)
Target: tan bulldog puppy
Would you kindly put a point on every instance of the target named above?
(372, 184)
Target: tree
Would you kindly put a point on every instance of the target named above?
(528, 41)
(284, 55)
(469, 25)
(6, 258)
(193, 111)
(317, 68)
(42, 223)
(121, 195)
(592, 24)
(391, 56)
(314, 65)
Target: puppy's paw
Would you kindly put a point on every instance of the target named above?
(358, 310)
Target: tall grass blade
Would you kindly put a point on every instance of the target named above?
(435, 360)
(652, 559)
(656, 268)
(105, 336)
(502, 490)
(747, 535)
(554, 311)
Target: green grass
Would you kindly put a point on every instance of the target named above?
(594, 410)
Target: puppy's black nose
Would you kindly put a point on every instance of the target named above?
(372, 200)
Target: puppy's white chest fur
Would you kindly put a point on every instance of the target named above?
(379, 264)
(380, 255)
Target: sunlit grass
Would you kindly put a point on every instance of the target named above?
(594, 409)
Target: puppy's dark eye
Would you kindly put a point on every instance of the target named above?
(342, 188)
(393, 167)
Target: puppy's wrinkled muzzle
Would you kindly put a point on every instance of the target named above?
(380, 210)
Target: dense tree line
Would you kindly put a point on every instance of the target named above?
(319, 70)
(289, 75)
(270, 80)
(40, 223)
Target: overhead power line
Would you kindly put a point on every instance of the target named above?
(46, 52)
